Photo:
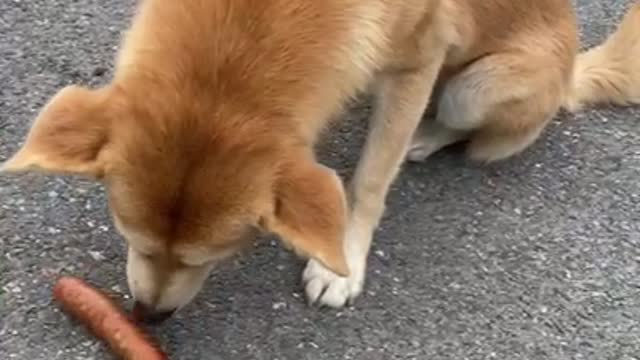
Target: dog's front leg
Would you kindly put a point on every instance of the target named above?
(401, 101)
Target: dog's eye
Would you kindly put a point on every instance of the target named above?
(146, 256)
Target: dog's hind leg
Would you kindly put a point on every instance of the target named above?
(510, 130)
(502, 102)
(430, 137)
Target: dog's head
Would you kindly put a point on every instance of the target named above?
(188, 182)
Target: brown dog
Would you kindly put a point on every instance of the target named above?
(206, 132)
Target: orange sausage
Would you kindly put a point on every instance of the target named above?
(105, 319)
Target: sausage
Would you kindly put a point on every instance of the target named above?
(105, 319)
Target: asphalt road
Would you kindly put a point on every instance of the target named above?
(537, 257)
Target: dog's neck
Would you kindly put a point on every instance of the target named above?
(261, 54)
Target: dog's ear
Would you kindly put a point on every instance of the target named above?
(68, 136)
(310, 213)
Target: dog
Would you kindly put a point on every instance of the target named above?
(205, 134)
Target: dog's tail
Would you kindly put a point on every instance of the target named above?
(610, 73)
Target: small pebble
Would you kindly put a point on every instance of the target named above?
(96, 255)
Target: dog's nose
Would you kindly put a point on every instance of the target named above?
(144, 313)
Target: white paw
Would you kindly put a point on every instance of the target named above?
(419, 152)
(324, 287)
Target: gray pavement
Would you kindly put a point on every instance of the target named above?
(537, 257)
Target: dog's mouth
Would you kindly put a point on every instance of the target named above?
(142, 313)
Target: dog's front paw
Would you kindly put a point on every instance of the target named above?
(324, 287)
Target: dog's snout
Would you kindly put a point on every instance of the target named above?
(147, 314)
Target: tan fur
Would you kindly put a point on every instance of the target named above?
(206, 132)
(611, 71)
